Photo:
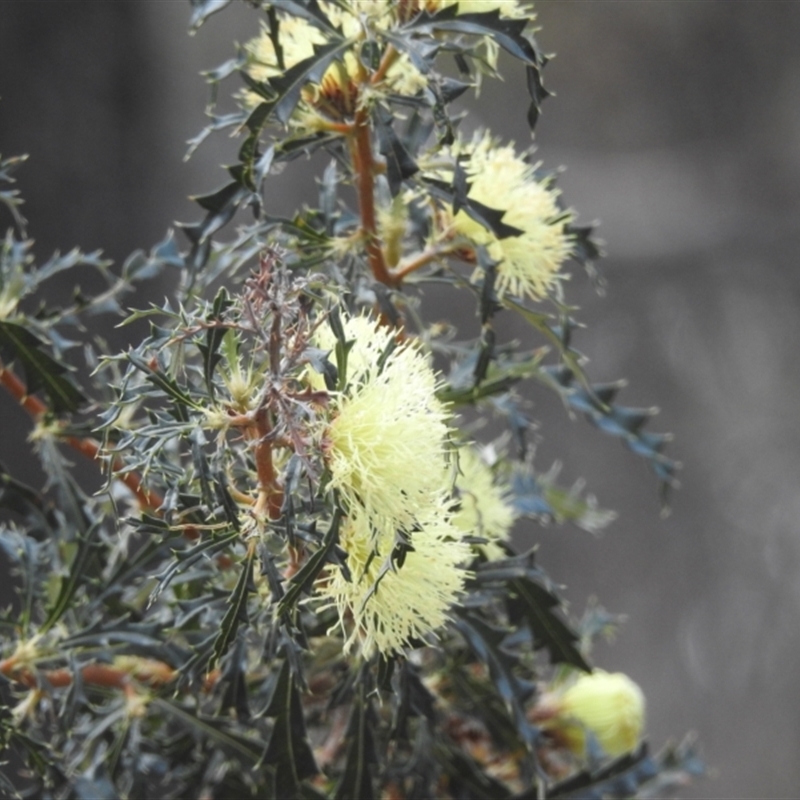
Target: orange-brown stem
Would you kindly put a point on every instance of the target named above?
(154, 673)
(270, 496)
(148, 500)
(364, 168)
(425, 257)
(389, 57)
(89, 447)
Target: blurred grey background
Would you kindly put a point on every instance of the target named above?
(679, 125)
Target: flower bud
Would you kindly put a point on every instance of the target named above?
(610, 706)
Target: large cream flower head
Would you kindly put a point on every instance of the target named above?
(387, 450)
(529, 263)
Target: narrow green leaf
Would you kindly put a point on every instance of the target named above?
(42, 371)
(288, 752)
(80, 571)
(306, 575)
(214, 729)
(361, 753)
(237, 609)
(214, 336)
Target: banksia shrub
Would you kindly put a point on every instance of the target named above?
(299, 580)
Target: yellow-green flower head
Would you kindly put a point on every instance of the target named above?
(609, 705)
(507, 8)
(385, 609)
(484, 508)
(387, 443)
(529, 263)
(352, 15)
(298, 38)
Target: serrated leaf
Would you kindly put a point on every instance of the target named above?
(490, 218)
(596, 783)
(487, 643)
(529, 602)
(10, 197)
(506, 31)
(42, 371)
(203, 9)
(164, 382)
(187, 558)
(214, 336)
(285, 89)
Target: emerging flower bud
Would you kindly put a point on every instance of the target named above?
(610, 706)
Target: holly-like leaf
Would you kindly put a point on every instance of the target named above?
(490, 218)
(488, 645)
(507, 32)
(621, 778)
(167, 385)
(10, 197)
(284, 90)
(214, 336)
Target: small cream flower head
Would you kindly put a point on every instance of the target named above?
(608, 705)
(393, 604)
(484, 509)
(387, 444)
(499, 178)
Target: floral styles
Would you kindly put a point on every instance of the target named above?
(396, 600)
(387, 445)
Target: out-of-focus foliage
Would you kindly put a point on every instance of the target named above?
(298, 581)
